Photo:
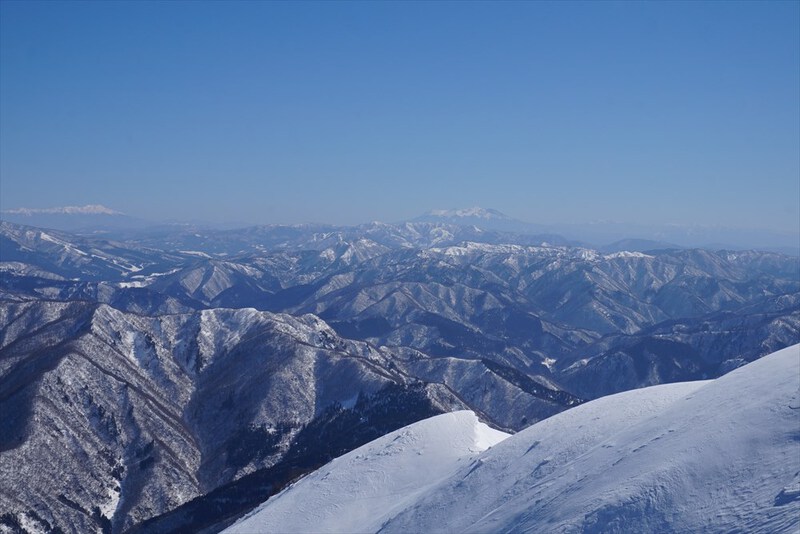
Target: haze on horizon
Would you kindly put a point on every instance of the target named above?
(647, 113)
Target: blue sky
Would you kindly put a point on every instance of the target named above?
(267, 112)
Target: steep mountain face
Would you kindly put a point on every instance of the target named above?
(335, 432)
(145, 413)
(195, 372)
(715, 456)
(684, 349)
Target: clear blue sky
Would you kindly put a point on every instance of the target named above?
(684, 112)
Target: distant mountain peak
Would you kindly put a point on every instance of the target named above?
(474, 212)
(89, 209)
(483, 219)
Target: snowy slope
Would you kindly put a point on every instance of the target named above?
(360, 490)
(719, 456)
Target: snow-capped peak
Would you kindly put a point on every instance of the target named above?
(360, 490)
(89, 209)
(476, 212)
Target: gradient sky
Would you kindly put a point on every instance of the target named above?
(270, 112)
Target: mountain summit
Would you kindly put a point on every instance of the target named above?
(91, 218)
(474, 212)
(493, 221)
(89, 209)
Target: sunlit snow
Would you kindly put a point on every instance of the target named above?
(360, 490)
(719, 455)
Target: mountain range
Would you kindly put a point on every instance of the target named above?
(606, 236)
(175, 377)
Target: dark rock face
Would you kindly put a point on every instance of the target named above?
(334, 432)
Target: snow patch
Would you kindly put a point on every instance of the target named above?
(109, 507)
(135, 283)
(195, 253)
(627, 254)
(47, 237)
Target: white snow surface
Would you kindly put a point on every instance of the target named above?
(713, 456)
(359, 491)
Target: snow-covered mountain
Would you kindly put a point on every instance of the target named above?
(542, 310)
(89, 218)
(89, 209)
(612, 236)
(488, 219)
(713, 456)
(157, 352)
(469, 213)
(159, 410)
(361, 490)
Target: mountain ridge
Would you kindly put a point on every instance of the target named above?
(140, 343)
(681, 457)
(602, 235)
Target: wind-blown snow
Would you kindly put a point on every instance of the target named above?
(360, 490)
(721, 455)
